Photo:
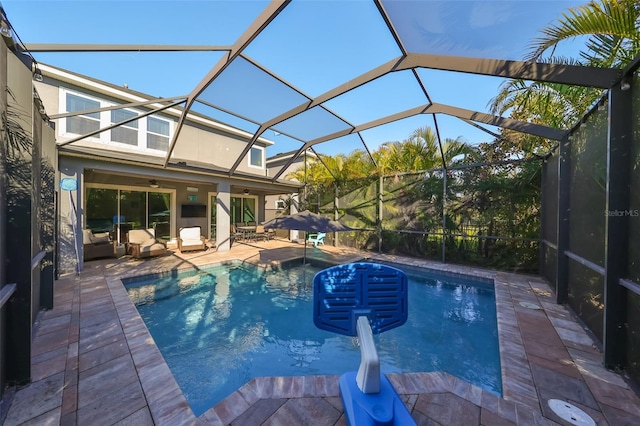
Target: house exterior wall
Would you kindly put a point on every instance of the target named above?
(200, 140)
(207, 148)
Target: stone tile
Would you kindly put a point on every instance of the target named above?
(141, 417)
(70, 399)
(263, 386)
(108, 316)
(461, 388)
(248, 393)
(44, 356)
(103, 354)
(56, 323)
(114, 406)
(614, 416)
(304, 411)
(49, 367)
(210, 418)
(231, 407)
(489, 401)
(157, 381)
(492, 419)
(566, 387)
(327, 386)
(448, 409)
(171, 409)
(336, 402)
(49, 418)
(475, 395)
(37, 399)
(564, 365)
(101, 380)
(615, 396)
(50, 341)
(282, 387)
(259, 412)
(97, 336)
(68, 419)
(547, 352)
(578, 337)
(507, 410)
(590, 365)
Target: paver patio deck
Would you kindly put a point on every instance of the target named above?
(94, 362)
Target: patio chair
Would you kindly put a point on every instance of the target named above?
(191, 239)
(316, 238)
(235, 234)
(261, 233)
(95, 246)
(142, 243)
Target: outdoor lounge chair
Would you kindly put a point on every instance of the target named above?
(143, 243)
(95, 246)
(191, 239)
(316, 238)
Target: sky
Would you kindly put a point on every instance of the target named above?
(314, 45)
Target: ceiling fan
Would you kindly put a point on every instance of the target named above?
(153, 183)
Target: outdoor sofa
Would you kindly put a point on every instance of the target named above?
(142, 243)
(95, 246)
(191, 239)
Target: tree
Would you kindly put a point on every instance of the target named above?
(421, 152)
(612, 37)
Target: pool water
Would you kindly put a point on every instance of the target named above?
(222, 326)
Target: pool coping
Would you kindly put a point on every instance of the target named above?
(167, 403)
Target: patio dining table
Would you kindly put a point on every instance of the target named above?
(246, 231)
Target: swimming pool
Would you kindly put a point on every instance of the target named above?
(219, 327)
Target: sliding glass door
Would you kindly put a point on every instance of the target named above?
(243, 210)
(118, 211)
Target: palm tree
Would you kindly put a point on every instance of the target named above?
(420, 152)
(612, 40)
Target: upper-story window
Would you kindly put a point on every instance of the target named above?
(256, 157)
(125, 133)
(84, 123)
(150, 133)
(157, 133)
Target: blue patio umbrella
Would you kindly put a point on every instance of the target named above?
(308, 222)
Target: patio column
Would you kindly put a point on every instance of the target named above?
(616, 257)
(295, 202)
(223, 209)
(562, 238)
(71, 207)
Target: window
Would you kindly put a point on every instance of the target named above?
(280, 205)
(255, 156)
(125, 133)
(153, 133)
(83, 123)
(157, 134)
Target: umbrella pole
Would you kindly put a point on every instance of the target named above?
(304, 241)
